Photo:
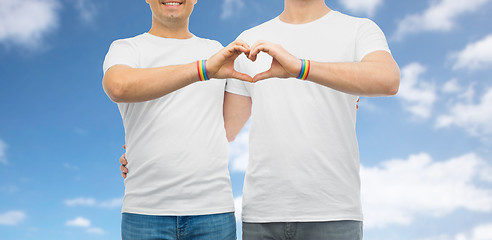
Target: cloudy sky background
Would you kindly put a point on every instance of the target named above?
(425, 153)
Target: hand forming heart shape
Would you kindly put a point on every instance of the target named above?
(284, 65)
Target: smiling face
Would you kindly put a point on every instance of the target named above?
(171, 11)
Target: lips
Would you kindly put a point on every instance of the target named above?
(171, 3)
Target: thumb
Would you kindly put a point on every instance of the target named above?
(262, 75)
(242, 76)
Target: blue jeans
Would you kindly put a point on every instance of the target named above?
(201, 227)
(335, 230)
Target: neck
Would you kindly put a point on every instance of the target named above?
(178, 30)
(303, 11)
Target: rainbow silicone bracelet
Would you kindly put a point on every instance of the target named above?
(202, 71)
(306, 66)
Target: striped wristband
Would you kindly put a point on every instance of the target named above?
(306, 66)
(202, 71)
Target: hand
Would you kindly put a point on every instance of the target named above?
(221, 65)
(123, 162)
(284, 64)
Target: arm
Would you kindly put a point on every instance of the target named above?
(376, 75)
(237, 110)
(126, 84)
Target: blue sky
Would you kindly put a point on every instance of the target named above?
(425, 153)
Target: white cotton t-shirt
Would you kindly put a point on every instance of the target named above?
(176, 145)
(304, 158)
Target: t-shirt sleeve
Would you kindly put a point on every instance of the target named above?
(369, 38)
(120, 52)
(237, 86)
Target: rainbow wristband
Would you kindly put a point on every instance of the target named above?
(306, 66)
(202, 71)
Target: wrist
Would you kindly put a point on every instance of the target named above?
(201, 66)
(305, 69)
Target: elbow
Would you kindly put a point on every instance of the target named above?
(393, 85)
(395, 81)
(114, 89)
(231, 133)
(230, 137)
(116, 95)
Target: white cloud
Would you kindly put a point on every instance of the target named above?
(96, 230)
(477, 55)
(367, 7)
(79, 222)
(12, 218)
(239, 150)
(481, 232)
(3, 148)
(451, 86)
(85, 223)
(417, 94)
(475, 118)
(112, 203)
(87, 10)
(231, 8)
(441, 237)
(26, 22)
(440, 16)
(398, 191)
(80, 202)
(456, 92)
(91, 202)
(238, 206)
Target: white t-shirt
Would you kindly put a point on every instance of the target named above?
(176, 145)
(304, 158)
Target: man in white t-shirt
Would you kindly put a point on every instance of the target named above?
(302, 180)
(178, 186)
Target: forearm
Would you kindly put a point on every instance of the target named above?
(237, 110)
(126, 84)
(364, 78)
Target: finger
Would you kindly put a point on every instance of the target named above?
(235, 50)
(253, 52)
(123, 175)
(242, 76)
(244, 45)
(124, 146)
(123, 169)
(123, 159)
(240, 42)
(241, 49)
(262, 76)
(261, 48)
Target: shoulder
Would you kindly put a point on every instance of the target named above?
(259, 29)
(352, 20)
(358, 24)
(131, 42)
(214, 44)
